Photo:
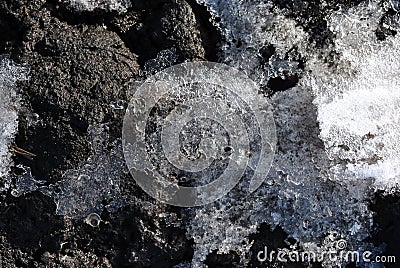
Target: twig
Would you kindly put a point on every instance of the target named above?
(18, 150)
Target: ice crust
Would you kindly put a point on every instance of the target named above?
(165, 58)
(25, 182)
(119, 6)
(338, 131)
(94, 185)
(249, 27)
(10, 74)
(298, 195)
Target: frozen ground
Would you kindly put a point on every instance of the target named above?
(329, 69)
(323, 181)
(10, 74)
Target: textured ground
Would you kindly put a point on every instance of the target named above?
(82, 65)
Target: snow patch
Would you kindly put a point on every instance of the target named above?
(10, 74)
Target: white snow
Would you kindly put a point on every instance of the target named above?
(359, 104)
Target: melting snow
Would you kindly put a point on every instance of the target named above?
(338, 131)
(10, 74)
(119, 6)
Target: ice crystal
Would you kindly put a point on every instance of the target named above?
(24, 182)
(119, 6)
(165, 58)
(118, 104)
(10, 74)
(297, 195)
(251, 27)
(338, 131)
(94, 185)
(192, 124)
